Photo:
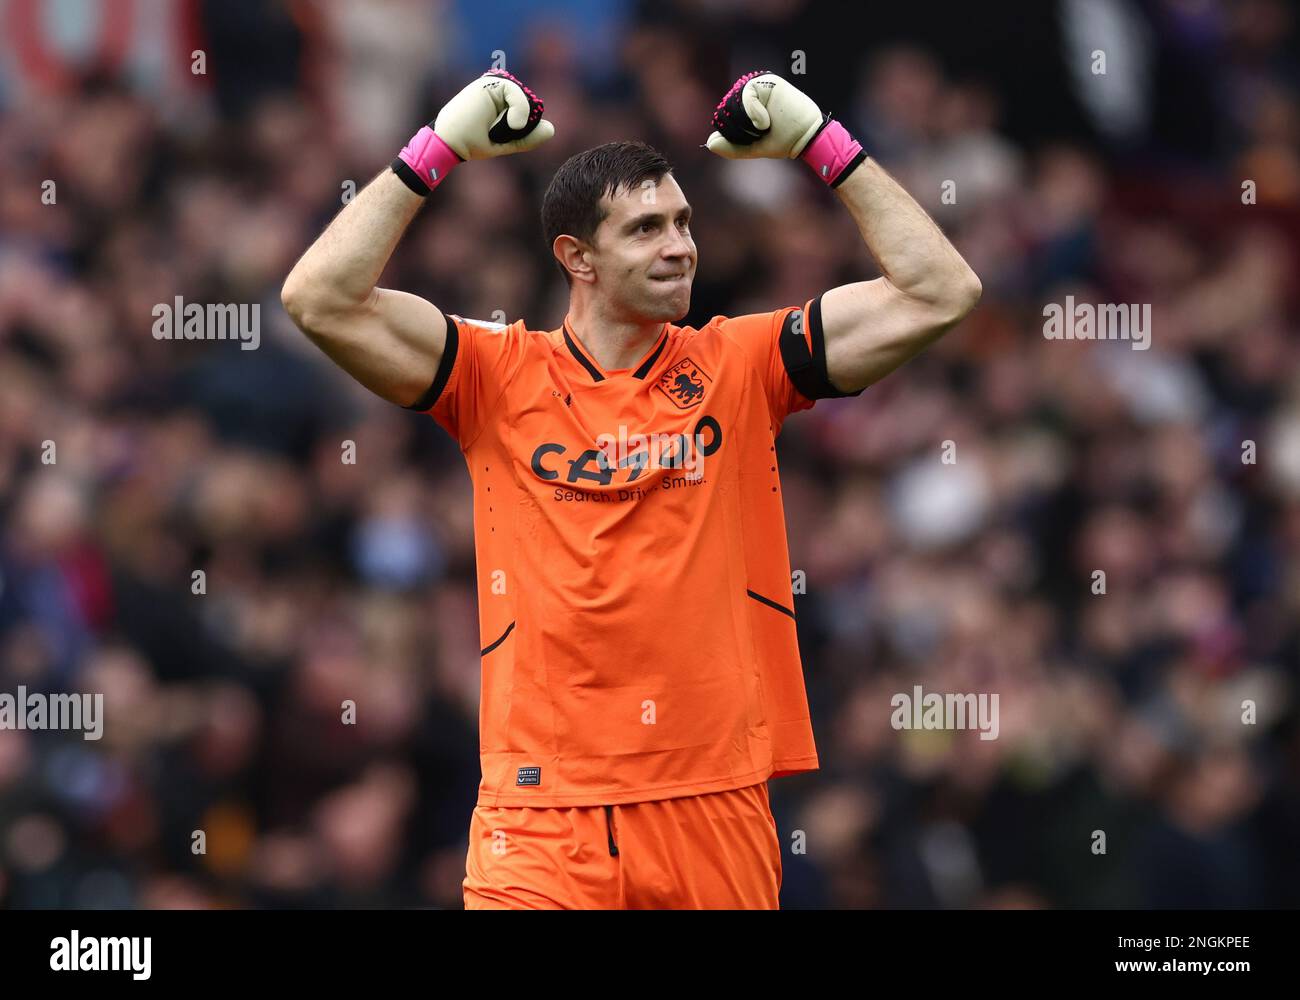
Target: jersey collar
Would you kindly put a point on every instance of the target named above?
(598, 374)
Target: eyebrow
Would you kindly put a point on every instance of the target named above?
(645, 217)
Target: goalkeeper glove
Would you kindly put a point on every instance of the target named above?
(764, 115)
(494, 116)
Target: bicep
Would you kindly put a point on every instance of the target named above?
(392, 343)
(871, 327)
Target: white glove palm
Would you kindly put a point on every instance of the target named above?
(494, 115)
(763, 115)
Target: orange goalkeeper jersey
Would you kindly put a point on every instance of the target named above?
(635, 610)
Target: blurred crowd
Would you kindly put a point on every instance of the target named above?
(1157, 707)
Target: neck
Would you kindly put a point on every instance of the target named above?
(614, 343)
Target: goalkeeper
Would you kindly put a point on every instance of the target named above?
(641, 679)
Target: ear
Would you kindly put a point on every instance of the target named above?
(575, 257)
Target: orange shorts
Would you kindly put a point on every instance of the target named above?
(701, 852)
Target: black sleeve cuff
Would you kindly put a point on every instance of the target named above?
(851, 166)
(807, 369)
(409, 177)
(448, 362)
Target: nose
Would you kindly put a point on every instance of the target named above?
(678, 245)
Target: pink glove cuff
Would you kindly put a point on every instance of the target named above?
(833, 153)
(428, 157)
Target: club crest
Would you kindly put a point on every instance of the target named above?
(684, 383)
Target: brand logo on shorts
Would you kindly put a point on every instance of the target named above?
(684, 383)
(528, 776)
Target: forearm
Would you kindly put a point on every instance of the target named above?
(912, 252)
(340, 270)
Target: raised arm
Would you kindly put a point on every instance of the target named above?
(926, 288)
(390, 341)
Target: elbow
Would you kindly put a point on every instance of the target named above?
(973, 290)
(294, 299)
(298, 300)
(964, 296)
(949, 297)
(310, 307)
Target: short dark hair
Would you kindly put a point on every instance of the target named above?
(571, 205)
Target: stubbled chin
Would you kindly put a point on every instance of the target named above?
(673, 307)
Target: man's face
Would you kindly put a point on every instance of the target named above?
(643, 253)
